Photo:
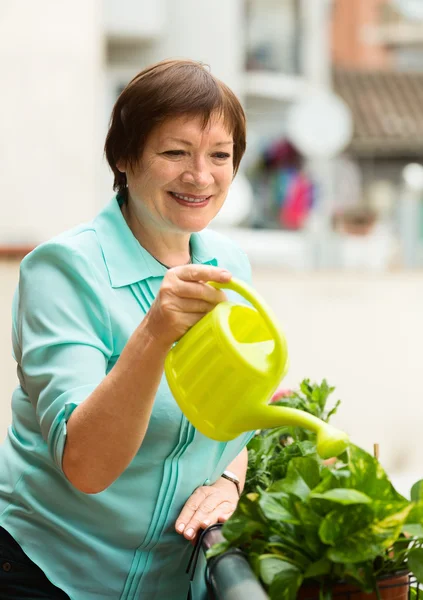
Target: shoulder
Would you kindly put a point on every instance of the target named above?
(228, 254)
(63, 272)
(76, 249)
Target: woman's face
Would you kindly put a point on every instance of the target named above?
(183, 175)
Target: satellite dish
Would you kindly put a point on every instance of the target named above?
(412, 9)
(320, 125)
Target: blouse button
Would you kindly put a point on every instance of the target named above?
(7, 566)
(207, 482)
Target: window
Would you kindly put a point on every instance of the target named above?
(272, 35)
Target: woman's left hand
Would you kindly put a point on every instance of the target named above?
(208, 504)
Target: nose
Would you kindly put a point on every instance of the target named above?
(198, 174)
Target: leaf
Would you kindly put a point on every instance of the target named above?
(415, 563)
(270, 566)
(344, 496)
(368, 541)
(286, 584)
(302, 476)
(333, 410)
(273, 508)
(417, 491)
(239, 529)
(245, 522)
(416, 514)
(311, 522)
(342, 523)
(318, 568)
(248, 506)
(217, 549)
(368, 476)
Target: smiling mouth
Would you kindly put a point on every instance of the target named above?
(191, 199)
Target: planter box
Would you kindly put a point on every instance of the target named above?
(230, 577)
(393, 587)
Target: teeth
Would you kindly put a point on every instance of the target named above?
(194, 200)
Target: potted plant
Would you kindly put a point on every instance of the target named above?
(316, 530)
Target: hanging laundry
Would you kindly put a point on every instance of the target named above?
(298, 202)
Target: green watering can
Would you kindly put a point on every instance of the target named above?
(224, 370)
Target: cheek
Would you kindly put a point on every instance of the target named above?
(167, 171)
(225, 179)
(157, 175)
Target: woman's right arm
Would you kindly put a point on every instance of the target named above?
(105, 431)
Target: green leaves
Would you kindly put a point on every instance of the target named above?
(272, 565)
(417, 492)
(282, 579)
(370, 540)
(368, 476)
(272, 506)
(344, 496)
(341, 524)
(415, 563)
(302, 476)
(303, 520)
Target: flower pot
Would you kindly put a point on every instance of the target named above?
(391, 587)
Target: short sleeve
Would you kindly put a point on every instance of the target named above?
(62, 337)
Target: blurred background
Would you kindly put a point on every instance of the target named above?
(329, 201)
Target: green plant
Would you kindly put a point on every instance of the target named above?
(303, 521)
(270, 452)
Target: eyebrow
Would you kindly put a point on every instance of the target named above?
(187, 143)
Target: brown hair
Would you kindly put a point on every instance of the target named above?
(168, 89)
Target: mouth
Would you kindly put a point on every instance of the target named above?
(190, 199)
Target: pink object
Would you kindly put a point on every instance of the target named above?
(297, 203)
(279, 394)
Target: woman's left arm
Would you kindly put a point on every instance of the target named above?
(212, 503)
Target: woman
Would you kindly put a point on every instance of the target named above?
(104, 482)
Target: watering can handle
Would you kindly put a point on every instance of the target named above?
(265, 311)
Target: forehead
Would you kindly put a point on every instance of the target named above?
(192, 129)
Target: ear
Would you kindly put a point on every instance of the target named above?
(121, 166)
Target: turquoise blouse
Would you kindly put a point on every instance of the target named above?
(80, 297)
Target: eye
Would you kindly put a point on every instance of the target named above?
(174, 153)
(222, 155)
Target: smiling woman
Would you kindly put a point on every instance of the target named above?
(104, 484)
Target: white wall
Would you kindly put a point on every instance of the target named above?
(51, 68)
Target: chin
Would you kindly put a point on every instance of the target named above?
(193, 225)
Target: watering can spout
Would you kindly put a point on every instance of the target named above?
(331, 442)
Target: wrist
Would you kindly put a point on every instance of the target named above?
(233, 480)
(156, 336)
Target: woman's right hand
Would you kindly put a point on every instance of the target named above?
(183, 299)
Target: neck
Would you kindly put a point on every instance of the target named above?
(171, 249)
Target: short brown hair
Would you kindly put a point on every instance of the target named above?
(170, 88)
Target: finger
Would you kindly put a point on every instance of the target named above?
(189, 509)
(195, 306)
(202, 503)
(207, 513)
(203, 273)
(222, 513)
(201, 291)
